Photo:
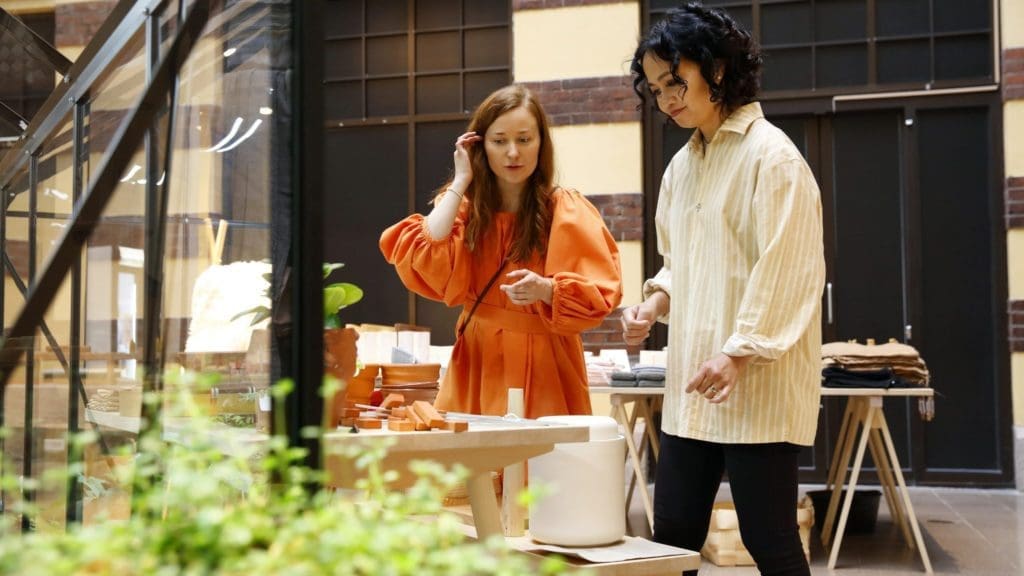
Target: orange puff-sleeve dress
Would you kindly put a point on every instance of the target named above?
(535, 347)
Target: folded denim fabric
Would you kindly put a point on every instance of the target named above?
(835, 377)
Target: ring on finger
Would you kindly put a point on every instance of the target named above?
(713, 390)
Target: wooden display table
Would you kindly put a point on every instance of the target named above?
(481, 449)
(674, 562)
(864, 412)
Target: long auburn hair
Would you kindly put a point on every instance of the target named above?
(533, 220)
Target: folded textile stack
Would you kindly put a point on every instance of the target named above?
(104, 400)
(849, 364)
(644, 376)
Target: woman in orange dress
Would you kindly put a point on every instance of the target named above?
(534, 260)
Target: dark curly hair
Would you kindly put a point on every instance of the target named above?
(704, 36)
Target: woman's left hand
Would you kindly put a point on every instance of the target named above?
(717, 377)
(528, 287)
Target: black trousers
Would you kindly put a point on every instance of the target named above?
(763, 479)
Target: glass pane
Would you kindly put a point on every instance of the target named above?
(479, 84)
(16, 249)
(343, 58)
(343, 17)
(441, 13)
(27, 81)
(112, 100)
(963, 57)
(437, 51)
(487, 47)
(14, 460)
(493, 12)
(51, 397)
(953, 15)
(387, 97)
(840, 20)
(386, 15)
(435, 94)
(226, 184)
(787, 69)
(908, 61)
(842, 65)
(387, 55)
(54, 193)
(786, 23)
(343, 100)
(899, 17)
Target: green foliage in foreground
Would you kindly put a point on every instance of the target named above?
(198, 511)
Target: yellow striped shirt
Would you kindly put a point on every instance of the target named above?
(739, 227)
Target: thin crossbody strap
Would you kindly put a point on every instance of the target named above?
(487, 288)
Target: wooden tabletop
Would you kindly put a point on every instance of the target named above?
(482, 448)
(825, 391)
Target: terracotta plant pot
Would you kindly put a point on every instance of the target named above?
(339, 362)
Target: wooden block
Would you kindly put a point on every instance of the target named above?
(370, 423)
(724, 546)
(351, 413)
(456, 425)
(399, 412)
(348, 422)
(417, 420)
(400, 425)
(427, 413)
(393, 400)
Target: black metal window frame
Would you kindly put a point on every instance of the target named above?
(874, 42)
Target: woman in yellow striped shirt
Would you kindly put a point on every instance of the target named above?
(739, 227)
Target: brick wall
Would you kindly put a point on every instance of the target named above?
(1015, 202)
(623, 214)
(1016, 310)
(609, 335)
(1013, 74)
(588, 100)
(541, 4)
(77, 23)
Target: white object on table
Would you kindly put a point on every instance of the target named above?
(581, 499)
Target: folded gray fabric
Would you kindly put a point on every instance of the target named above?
(645, 383)
(622, 383)
(648, 372)
(623, 375)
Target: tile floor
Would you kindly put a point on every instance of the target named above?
(967, 531)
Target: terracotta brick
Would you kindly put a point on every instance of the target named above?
(77, 23)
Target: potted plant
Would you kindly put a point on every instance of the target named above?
(340, 349)
(339, 344)
(210, 505)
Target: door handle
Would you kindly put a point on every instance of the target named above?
(828, 301)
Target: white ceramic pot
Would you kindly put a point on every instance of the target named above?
(583, 483)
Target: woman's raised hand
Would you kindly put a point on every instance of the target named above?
(637, 321)
(463, 167)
